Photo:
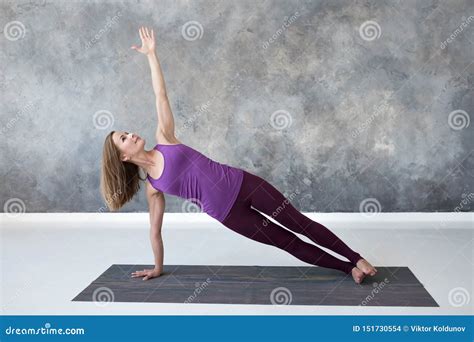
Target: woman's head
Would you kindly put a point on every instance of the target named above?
(120, 178)
(129, 144)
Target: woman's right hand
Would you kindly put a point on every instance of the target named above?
(148, 41)
(147, 274)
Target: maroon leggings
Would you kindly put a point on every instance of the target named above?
(265, 198)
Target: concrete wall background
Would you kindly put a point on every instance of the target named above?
(356, 105)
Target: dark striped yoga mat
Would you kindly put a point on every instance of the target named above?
(272, 285)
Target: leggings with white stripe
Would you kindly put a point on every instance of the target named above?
(265, 198)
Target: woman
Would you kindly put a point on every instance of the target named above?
(224, 192)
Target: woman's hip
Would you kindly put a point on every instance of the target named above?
(242, 203)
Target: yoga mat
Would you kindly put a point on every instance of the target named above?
(272, 285)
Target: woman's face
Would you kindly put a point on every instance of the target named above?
(128, 143)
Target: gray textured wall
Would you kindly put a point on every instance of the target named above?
(342, 105)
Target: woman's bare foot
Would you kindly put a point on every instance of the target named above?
(366, 267)
(358, 275)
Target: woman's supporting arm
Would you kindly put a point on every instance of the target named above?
(156, 204)
(158, 250)
(157, 209)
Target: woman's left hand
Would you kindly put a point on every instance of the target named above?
(147, 274)
(148, 41)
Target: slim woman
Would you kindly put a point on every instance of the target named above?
(231, 195)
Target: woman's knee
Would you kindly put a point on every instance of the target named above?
(290, 217)
(281, 237)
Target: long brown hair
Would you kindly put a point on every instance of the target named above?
(119, 180)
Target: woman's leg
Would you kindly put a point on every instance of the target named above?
(250, 223)
(267, 199)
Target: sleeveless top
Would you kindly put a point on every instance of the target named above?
(191, 175)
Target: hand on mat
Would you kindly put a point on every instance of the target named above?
(148, 41)
(147, 274)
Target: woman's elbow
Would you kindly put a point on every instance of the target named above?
(155, 232)
(161, 95)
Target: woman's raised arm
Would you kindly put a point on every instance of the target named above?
(163, 109)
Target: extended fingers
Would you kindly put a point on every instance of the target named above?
(141, 273)
(145, 33)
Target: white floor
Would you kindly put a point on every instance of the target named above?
(47, 259)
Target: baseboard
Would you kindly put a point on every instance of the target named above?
(438, 220)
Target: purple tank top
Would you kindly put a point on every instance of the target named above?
(191, 175)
